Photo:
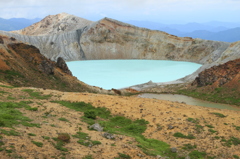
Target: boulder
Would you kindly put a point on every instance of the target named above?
(108, 136)
(96, 126)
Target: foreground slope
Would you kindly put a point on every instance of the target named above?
(59, 129)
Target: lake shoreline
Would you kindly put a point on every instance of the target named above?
(188, 100)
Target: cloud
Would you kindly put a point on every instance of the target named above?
(154, 10)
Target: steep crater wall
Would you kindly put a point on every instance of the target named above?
(111, 39)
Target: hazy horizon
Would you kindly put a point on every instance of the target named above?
(167, 11)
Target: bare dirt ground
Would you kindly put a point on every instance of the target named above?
(165, 118)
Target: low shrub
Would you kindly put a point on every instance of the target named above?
(178, 134)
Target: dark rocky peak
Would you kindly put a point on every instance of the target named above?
(63, 66)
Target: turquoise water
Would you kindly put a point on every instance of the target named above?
(117, 74)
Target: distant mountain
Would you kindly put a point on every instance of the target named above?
(54, 24)
(16, 23)
(147, 24)
(213, 26)
(190, 27)
(230, 35)
(224, 24)
(214, 30)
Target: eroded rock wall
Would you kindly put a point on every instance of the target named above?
(111, 39)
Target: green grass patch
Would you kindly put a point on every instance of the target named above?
(9, 133)
(37, 95)
(219, 115)
(119, 125)
(232, 141)
(88, 157)
(3, 92)
(85, 140)
(180, 135)
(31, 134)
(63, 119)
(199, 128)
(195, 154)
(11, 74)
(7, 86)
(11, 98)
(212, 131)
(46, 137)
(52, 125)
(189, 147)
(38, 144)
(81, 135)
(90, 114)
(124, 156)
(84, 107)
(152, 147)
(217, 137)
(192, 120)
(59, 146)
(10, 116)
(210, 126)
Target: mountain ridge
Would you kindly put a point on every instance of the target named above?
(112, 39)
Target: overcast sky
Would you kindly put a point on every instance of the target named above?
(162, 11)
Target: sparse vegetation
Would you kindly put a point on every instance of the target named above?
(212, 131)
(11, 74)
(85, 140)
(90, 114)
(46, 137)
(31, 134)
(195, 154)
(232, 141)
(36, 95)
(38, 144)
(219, 115)
(119, 125)
(199, 128)
(124, 156)
(192, 120)
(63, 119)
(189, 136)
(10, 116)
(210, 126)
(189, 147)
(10, 132)
(6, 86)
(88, 157)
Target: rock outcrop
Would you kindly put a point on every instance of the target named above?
(220, 75)
(62, 65)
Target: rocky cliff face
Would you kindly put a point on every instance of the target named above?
(111, 39)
